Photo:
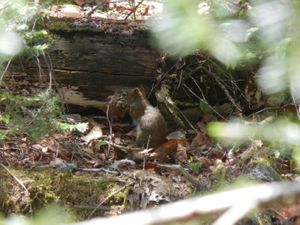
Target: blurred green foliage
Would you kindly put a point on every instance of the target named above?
(33, 115)
(50, 215)
(235, 33)
(18, 31)
(264, 32)
(14, 27)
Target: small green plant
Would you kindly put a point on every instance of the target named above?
(203, 105)
(35, 115)
(20, 34)
(101, 143)
(195, 166)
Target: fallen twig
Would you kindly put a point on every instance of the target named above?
(203, 96)
(17, 179)
(126, 149)
(108, 197)
(110, 130)
(134, 9)
(97, 170)
(224, 89)
(5, 70)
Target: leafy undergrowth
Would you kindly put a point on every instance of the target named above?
(100, 172)
(77, 171)
(80, 170)
(91, 178)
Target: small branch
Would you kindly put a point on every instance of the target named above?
(17, 179)
(185, 174)
(296, 107)
(126, 149)
(50, 67)
(92, 11)
(134, 9)
(224, 89)
(97, 170)
(108, 197)
(5, 70)
(235, 213)
(205, 100)
(110, 130)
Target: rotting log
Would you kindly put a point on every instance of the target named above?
(92, 59)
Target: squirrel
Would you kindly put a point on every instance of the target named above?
(150, 124)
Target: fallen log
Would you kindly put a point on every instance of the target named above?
(89, 60)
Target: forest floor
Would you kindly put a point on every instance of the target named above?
(86, 171)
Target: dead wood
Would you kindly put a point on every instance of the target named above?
(90, 60)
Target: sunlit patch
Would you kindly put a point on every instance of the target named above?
(272, 75)
(272, 18)
(10, 43)
(235, 30)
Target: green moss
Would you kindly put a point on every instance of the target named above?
(86, 190)
(41, 195)
(8, 206)
(261, 161)
(59, 26)
(50, 186)
(7, 203)
(60, 2)
(69, 26)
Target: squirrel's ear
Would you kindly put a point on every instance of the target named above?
(136, 91)
(142, 90)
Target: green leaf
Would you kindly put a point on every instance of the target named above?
(81, 127)
(203, 105)
(101, 143)
(3, 135)
(39, 128)
(5, 118)
(195, 165)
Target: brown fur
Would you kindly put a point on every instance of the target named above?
(150, 124)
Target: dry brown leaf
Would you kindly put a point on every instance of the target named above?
(37, 147)
(201, 139)
(198, 139)
(168, 150)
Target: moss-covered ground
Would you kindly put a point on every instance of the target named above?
(78, 193)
